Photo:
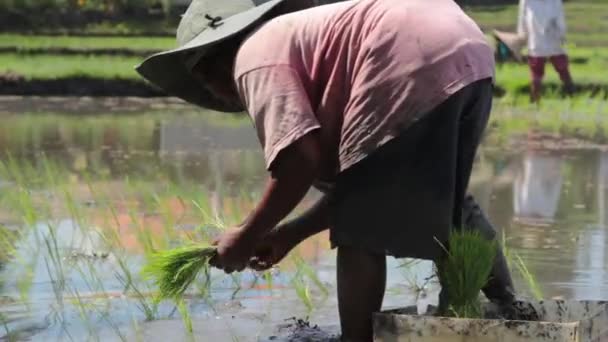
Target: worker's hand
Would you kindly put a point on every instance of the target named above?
(234, 249)
(272, 249)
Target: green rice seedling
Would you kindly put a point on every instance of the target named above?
(144, 236)
(300, 282)
(6, 328)
(15, 171)
(149, 310)
(139, 335)
(465, 270)
(303, 292)
(174, 270)
(56, 273)
(91, 278)
(183, 310)
(515, 261)
(204, 285)
(26, 280)
(169, 221)
(7, 240)
(125, 276)
(303, 267)
(236, 281)
(84, 313)
(529, 278)
(107, 317)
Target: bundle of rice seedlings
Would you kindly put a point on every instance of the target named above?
(174, 270)
(465, 271)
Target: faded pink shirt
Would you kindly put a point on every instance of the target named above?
(358, 71)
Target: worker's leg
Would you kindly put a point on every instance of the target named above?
(467, 213)
(537, 72)
(361, 285)
(561, 66)
(500, 287)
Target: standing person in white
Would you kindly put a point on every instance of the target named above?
(543, 23)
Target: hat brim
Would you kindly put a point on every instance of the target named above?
(168, 71)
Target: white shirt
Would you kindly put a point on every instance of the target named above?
(543, 23)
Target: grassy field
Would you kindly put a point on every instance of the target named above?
(514, 78)
(586, 68)
(587, 46)
(57, 67)
(135, 43)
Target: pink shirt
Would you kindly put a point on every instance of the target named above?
(359, 71)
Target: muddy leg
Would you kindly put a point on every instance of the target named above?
(561, 65)
(537, 71)
(361, 285)
(500, 287)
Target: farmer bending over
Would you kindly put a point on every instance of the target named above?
(380, 104)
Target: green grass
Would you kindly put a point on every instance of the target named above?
(134, 43)
(517, 263)
(587, 42)
(513, 77)
(57, 67)
(581, 118)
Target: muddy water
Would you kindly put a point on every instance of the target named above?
(552, 207)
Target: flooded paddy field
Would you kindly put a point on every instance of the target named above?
(89, 188)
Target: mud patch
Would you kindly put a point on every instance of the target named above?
(301, 330)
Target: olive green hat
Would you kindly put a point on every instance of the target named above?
(205, 24)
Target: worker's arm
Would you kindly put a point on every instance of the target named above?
(313, 221)
(292, 174)
(279, 242)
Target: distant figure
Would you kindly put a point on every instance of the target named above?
(543, 23)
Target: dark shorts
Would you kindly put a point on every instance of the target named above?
(405, 197)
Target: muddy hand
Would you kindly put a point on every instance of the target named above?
(273, 248)
(234, 250)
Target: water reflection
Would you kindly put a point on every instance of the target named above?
(537, 187)
(551, 205)
(185, 147)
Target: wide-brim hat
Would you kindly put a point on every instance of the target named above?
(205, 24)
(513, 41)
